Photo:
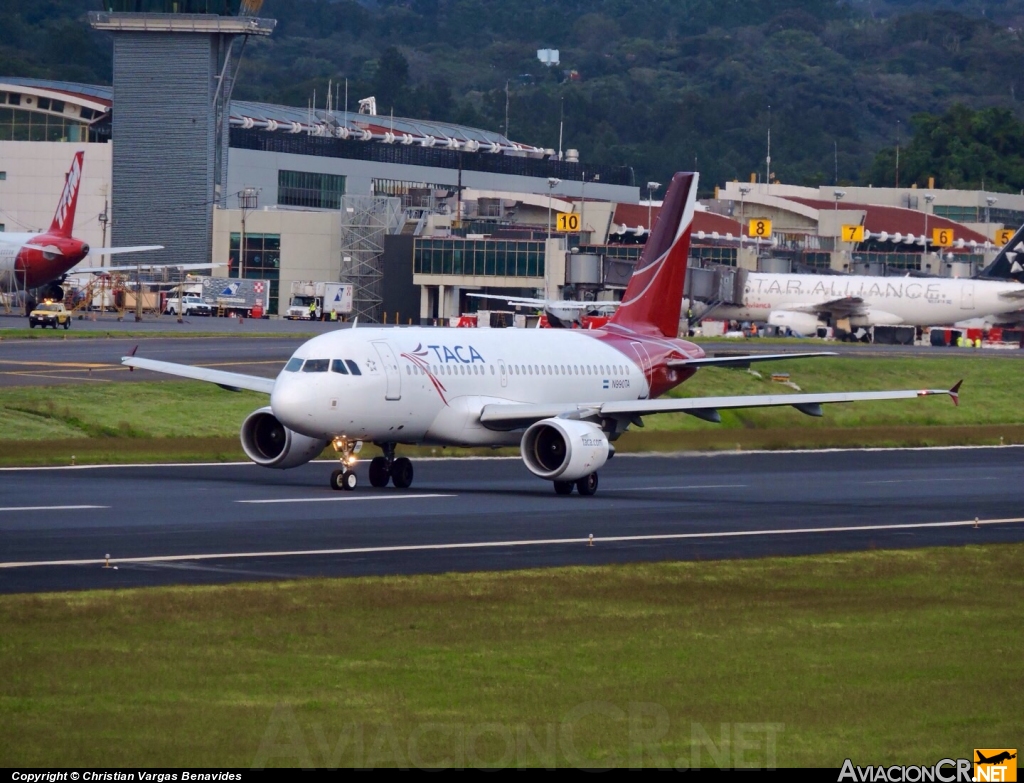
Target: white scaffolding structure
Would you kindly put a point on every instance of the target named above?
(365, 221)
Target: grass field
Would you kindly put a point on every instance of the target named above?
(196, 421)
(884, 657)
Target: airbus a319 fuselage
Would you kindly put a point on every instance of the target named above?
(424, 385)
(563, 396)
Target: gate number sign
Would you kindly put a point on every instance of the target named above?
(942, 237)
(760, 228)
(568, 222)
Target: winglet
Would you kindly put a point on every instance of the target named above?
(132, 353)
(955, 392)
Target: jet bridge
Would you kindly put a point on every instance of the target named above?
(715, 285)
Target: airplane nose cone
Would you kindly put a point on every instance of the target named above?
(291, 404)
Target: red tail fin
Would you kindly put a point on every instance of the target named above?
(64, 217)
(654, 296)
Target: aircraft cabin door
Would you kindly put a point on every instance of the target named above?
(644, 360)
(967, 296)
(504, 373)
(391, 371)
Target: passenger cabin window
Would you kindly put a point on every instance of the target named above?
(316, 365)
(353, 367)
(294, 365)
(338, 366)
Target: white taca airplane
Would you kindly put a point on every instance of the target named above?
(804, 302)
(561, 395)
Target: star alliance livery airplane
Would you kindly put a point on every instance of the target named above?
(561, 395)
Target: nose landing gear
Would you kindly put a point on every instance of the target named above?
(345, 478)
(387, 468)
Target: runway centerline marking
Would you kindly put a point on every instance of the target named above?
(514, 543)
(347, 498)
(48, 508)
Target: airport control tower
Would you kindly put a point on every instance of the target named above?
(175, 63)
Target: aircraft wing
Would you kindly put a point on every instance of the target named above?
(561, 304)
(232, 381)
(1016, 293)
(743, 361)
(143, 267)
(841, 307)
(500, 416)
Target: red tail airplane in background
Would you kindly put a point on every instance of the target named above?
(42, 260)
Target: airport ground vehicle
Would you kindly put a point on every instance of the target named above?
(324, 298)
(49, 314)
(562, 395)
(190, 304)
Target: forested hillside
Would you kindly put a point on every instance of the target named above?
(655, 84)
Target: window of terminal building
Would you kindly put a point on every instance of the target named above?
(3, 176)
(262, 261)
(309, 189)
(478, 257)
(21, 125)
(713, 254)
(413, 194)
(224, 7)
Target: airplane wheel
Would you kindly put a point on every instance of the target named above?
(349, 480)
(587, 485)
(379, 476)
(401, 473)
(563, 487)
(336, 482)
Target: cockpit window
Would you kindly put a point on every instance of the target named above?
(353, 367)
(316, 365)
(294, 364)
(338, 366)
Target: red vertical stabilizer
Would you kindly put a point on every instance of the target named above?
(64, 217)
(654, 296)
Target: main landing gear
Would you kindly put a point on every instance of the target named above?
(388, 468)
(585, 486)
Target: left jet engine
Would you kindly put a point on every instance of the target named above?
(564, 449)
(269, 443)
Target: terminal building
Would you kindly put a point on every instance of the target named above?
(415, 214)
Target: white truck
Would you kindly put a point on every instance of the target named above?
(189, 304)
(324, 298)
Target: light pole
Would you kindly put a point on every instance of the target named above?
(553, 182)
(744, 190)
(583, 202)
(839, 194)
(928, 199)
(247, 200)
(989, 201)
(651, 187)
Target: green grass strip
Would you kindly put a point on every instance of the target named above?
(883, 656)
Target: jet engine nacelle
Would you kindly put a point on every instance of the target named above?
(564, 449)
(801, 323)
(269, 443)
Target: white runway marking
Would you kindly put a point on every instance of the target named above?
(691, 486)
(345, 498)
(504, 544)
(47, 508)
(940, 479)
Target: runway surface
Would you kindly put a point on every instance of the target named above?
(222, 523)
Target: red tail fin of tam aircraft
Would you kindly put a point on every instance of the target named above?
(64, 217)
(654, 297)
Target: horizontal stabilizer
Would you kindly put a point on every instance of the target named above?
(113, 251)
(233, 381)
